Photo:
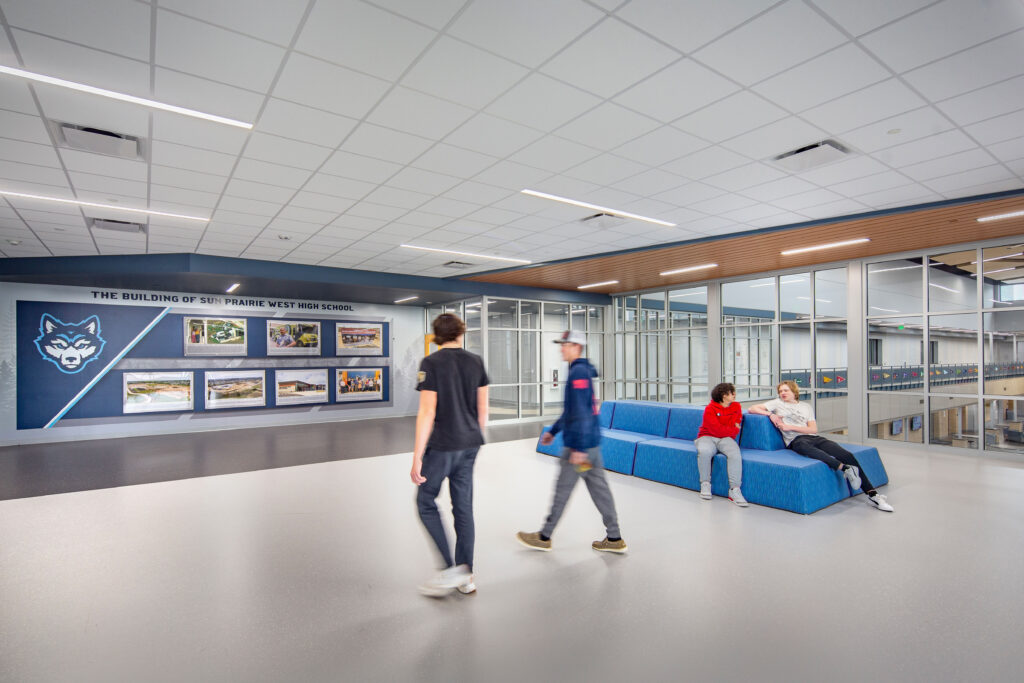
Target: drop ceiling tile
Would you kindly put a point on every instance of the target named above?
(706, 162)
(277, 150)
(751, 213)
(491, 135)
(779, 39)
(777, 189)
(119, 26)
(193, 92)
(847, 169)
(385, 144)
(607, 126)
(392, 196)
(237, 218)
(997, 129)
(512, 176)
(722, 204)
(191, 158)
(435, 14)
(362, 37)
(867, 185)
(554, 154)
(804, 199)
(417, 180)
(425, 220)
(270, 20)
(898, 196)
(983, 65)
(317, 217)
(660, 146)
(1010, 150)
(676, 91)
(293, 228)
(606, 169)
(82, 65)
(840, 207)
(377, 211)
(921, 123)
(272, 174)
(423, 115)
(970, 179)
(730, 117)
(651, 182)
(402, 231)
(358, 167)
(561, 103)
(33, 210)
(322, 202)
(66, 106)
(927, 35)
(462, 73)
(28, 152)
(689, 194)
(247, 189)
(190, 180)
(104, 165)
(834, 74)
(924, 149)
(253, 207)
(453, 161)
(478, 193)
(337, 90)
(198, 133)
(448, 207)
(492, 216)
(297, 122)
(949, 165)
(985, 103)
(744, 177)
(204, 50)
(107, 185)
(610, 58)
(1017, 167)
(776, 138)
(162, 193)
(14, 92)
(860, 17)
(866, 106)
(688, 24)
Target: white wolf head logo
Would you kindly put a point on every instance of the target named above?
(69, 346)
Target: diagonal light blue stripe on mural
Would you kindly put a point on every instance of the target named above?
(102, 373)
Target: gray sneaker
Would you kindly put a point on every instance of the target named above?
(852, 475)
(736, 496)
(705, 490)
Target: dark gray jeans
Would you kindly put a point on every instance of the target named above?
(597, 485)
(457, 467)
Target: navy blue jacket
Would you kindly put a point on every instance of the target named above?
(579, 416)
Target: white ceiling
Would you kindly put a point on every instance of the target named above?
(391, 121)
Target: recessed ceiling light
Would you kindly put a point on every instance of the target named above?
(894, 131)
(233, 287)
(596, 207)
(14, 243)
(1001, 216)
(819, 247)
(284, 237)
(152, 104)
(408, 298)
(689, 269)
(598, 284)
(100, 206)
(466, 253)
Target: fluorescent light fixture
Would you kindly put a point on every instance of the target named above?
(115, 207)
(689, 269)
(819, 247)
(598, 284)
(763, 284)
(996, 258)
(680, 296)
(1001, 216)
(466, 253)
(948, 289)
(408, 298)
(820, 301)
(232, 287)
(1000, 270)
(886, 270)
(596, 207)
(887, 310)
(152, 104)
(1001, 302)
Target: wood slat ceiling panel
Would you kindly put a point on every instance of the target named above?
(745, 255)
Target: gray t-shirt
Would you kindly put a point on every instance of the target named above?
(792, 414)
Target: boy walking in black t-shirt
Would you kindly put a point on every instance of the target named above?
(449, 431)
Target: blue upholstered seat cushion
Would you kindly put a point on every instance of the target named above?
(783, 479)
(618, 448)
(554, 448)
(604, 417)
(759, 432)
(870, 463)
(684, 422)
(640, 417)
(669, 461)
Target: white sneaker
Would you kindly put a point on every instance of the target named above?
(736, 496)
(468, 587)
(443, 583)
(705, 490)
(852, 475)
(880, 502)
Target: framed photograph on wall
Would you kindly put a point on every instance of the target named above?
(155, 392)
(215, 337)
(300, 386)
(359, 384)
(235, 389)
(293, 338)
(359, 339)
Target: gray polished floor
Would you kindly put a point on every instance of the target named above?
(308, 573)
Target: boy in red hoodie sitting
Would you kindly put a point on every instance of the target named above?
(717, 434)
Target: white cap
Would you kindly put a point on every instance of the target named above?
(572, 337)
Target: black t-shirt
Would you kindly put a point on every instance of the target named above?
(455, 374)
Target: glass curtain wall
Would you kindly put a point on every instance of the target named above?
(944, 363)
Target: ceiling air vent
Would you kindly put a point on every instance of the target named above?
(457, 265)
(118, 226)
(810, 156)
(602, 221)
(99, 141)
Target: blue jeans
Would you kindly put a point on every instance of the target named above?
(457, 466)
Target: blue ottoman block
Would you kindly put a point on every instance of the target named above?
(556, 446)
(642, 418)
(870, 463)
(684, 422)
(669, 461)
(759, 433)
(782, 479)
(618, 449)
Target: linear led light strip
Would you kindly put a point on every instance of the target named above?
(819, 247)
(152, 104)
(96, 205)
(596, 207)
(1001, 216)
(598, 284)
(466, 253)
(408, 298)
(1000, 270)
(689, 269)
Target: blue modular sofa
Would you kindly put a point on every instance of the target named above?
(655, 441)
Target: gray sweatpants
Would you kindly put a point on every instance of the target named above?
(597, 485)
(707, 446)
